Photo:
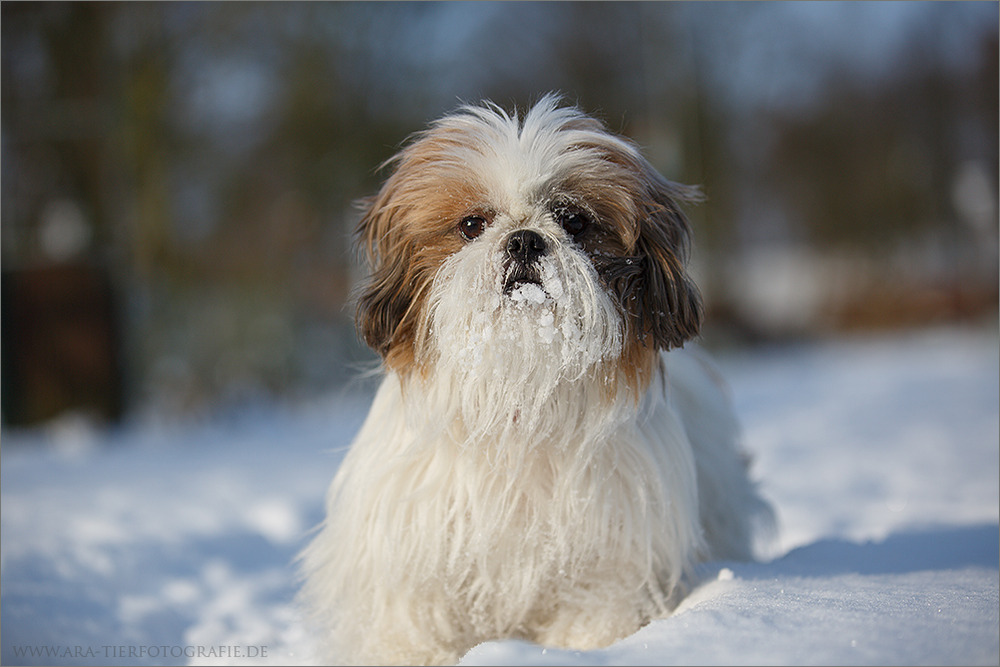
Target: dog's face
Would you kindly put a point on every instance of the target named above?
(543, 248)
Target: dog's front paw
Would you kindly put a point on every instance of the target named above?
(592, 627)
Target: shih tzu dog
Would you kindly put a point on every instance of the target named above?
(535, 464)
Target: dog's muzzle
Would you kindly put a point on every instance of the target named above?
(524, 248)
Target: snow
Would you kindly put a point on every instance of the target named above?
(528, 292)
(161, 543)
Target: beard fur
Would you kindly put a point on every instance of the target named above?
(495, 358)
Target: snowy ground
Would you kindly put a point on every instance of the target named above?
(172, 544)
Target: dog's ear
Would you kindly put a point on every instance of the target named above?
(385, 299)
(669, 307)
(648, 273)
(405, 235)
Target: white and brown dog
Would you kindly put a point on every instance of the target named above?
(535, 464)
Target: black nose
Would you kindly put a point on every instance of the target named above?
(525, 246)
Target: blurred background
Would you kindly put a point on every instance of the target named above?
(178, 178)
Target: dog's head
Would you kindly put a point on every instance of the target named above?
(545, 244)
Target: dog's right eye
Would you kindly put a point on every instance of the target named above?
(472, 226)
(572, 220)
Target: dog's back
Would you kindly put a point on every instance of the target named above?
(732, 512)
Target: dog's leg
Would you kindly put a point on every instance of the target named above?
(590, 626)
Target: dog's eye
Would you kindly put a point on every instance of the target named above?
(572, 220)
(472, 226)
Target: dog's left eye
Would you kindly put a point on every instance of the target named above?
(572, 220)
(472, 226)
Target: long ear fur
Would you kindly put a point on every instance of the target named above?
(649, 276)
(671, 309)
(385, 303)
(398, 235)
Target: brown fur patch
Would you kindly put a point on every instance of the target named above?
(406, 235)
(641, 250)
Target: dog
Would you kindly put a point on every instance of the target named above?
(542, 460)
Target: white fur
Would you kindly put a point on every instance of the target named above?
(432, 546)
(516, 485)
